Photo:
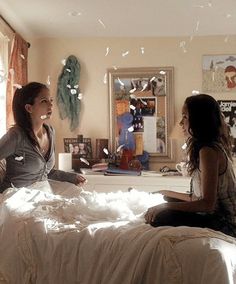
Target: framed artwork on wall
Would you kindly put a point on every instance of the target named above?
(219, 73)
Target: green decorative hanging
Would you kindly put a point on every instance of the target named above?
(68, 93)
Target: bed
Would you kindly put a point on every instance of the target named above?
(74, 236)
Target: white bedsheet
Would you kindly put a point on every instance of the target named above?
(91, 238)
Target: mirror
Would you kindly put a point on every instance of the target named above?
(147, 94)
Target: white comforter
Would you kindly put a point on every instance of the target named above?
(90, 238)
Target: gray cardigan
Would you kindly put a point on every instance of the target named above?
(24, 162)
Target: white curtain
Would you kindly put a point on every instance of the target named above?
(3, 81)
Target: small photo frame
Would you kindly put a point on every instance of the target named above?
(78, 147)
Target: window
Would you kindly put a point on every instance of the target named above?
(3, 81)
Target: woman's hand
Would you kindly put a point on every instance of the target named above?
(153, 212)
(80, 180)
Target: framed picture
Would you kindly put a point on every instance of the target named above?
(228, 108)
(78, 147)
(147, 94)
(219, 73)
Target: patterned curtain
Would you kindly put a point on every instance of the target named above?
(18, 72)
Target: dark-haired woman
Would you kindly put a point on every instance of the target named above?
(28, 146)
(212, 202)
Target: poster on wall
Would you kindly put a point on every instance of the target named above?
(228, 108)
(219, 73)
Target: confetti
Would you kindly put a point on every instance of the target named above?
(80, 96)
(48, 80)
(119, 148)
(125, 53)
(83, 160)
(68, 70)
(197, 26)
(20, 158)
(11, 71)
(114, 67)
(143, 102)
(101, 22)
(133, 97)
(18, 86)
(153, 78)
(199, 6)
(195, 92)
(213, 76)
(132, 107)
(68, 86)
(105, 78)
(209, 4)
(228, 16)
(107, 51)
(142, 50)
(121, 83)
(132, 90)
(144, 87)
(74, 13)
(105, 151)
(226, 39)
(43, 116)
(63, 62)
(162, 72)
(131, 128)
(76, 86)
(73, 91)
(22, 56)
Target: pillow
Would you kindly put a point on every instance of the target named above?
(2, 170)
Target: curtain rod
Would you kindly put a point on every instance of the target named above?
(13, 30)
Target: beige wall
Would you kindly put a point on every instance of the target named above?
(45, 57)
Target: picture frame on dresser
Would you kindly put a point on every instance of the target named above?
(148, 94)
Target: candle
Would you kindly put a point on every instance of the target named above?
(65, 162)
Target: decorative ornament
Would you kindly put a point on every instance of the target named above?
(67, 88)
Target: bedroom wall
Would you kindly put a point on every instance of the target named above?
(45, 57)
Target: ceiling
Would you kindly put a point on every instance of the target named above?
(124, 18)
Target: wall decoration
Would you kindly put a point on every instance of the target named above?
(228, 108)
(68, 92)
(219, 73)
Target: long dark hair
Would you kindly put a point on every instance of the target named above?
(26, 95)
(206, 126)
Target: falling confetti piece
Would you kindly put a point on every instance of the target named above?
(68, 70)
(153, 78)
(74, 13)
(162, 72)
(209, 4)
(63, 62)
(121, 83)
(191, 38)
(76, 86)
(22, 56)
(132, 90)
(68, 86)
(197, 26)
(132, 107)
(195, 92)
(11, 71)
(101, 22)
(106, 151)
(80, 96)
(144, 87)
(43, 116)
(131, 128)
(105, 78)
(125, 53)
(107, 51)
(142, 50)
(114, 67)
(228, 16)
(119, 148)
(184, 146)
(143, 102)
(226, 39)
(213, 76)
(84, 161)
(18, 86)
(73, 91)
(48, 80)
(20, 158)
(133, 97)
